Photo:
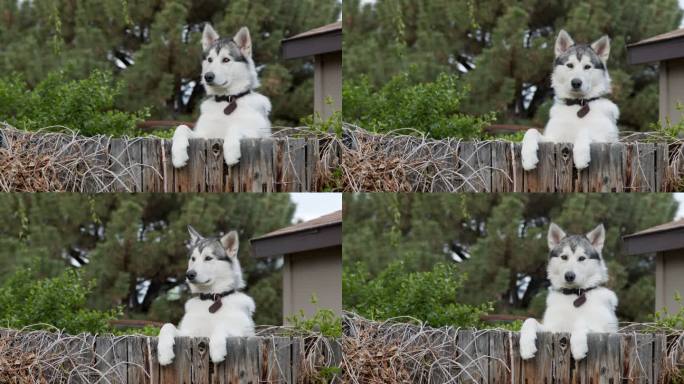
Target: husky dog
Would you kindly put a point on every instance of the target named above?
(580, 114)
(577, 303)
(220, 310)
(233, 110)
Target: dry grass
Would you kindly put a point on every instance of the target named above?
(409, 161)
(406, 350)
(46, 161)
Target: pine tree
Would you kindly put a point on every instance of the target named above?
(504, 49)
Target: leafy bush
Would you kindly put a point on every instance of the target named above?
(431, 108)
(59, 301)
(666, 320)
(430, 296)
(85, 105)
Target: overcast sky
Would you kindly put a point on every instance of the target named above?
(313, 205)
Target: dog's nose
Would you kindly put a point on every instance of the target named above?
(191, 274)
(209, 77)
(569, 277)
(576, 83)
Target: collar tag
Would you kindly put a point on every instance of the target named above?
(583, 111)
(216, 306)
(580, 300)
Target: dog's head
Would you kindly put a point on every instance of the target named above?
(580, 70)
(227, 65)
(213, 265)
(575, 261)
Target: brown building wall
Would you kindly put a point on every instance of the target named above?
(328, 84)
(671, 89)
(669, 272)
(317, 272)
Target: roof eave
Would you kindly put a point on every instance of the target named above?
(655, 51)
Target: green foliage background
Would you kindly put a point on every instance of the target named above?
(123, 240)
(503, 50)
(501, 239)
(153, 47)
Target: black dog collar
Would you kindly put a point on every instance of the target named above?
(580, 292)
(216, 297)
(584, 103)
(231, 99)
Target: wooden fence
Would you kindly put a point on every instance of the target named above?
(452, 165)
(494, 357)
(267, 165)
(133, 359)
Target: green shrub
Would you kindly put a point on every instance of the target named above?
(59, 301)
(85, 105)
(430, 108)
(431, 296)
(666, 320)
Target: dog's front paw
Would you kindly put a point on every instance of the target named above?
(217, 351)
(165, 354)
(528, 347)
(231, 157)
(179, 155)
(529, 155)
(581, 159)
(579, 350)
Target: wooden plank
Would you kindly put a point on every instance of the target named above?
(154, 368)
(298, 354)
(611, 363)
(152, 167)
(662, 160)
(266, 166)
(197, 165)
(110, 351)
(562, 358)
(543, 177)
(293, 162)
(312, 163)
(98, 153)
(200, 360)
(284, 358)
(642, 167)
(137, 369)
(214, 165)
(249, 171)
(249, 371)
(168, 171)
(515, 362)
(467, 359)
(606, 169)
(475, 166)
(447, 180)
(597, 343)
(539, 369)
(564, 168)
(502, 167)
(637, 358)
(659, 357)
(499, 372)
(516, 166)
(126, 160)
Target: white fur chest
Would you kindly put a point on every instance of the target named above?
(597, 314)
(599, 125)
(234, 317)
(250, 118)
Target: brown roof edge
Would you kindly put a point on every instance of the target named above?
(667, 46)
(318, 41)
(333, 218)
(660, 238)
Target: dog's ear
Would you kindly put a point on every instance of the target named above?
(602, 48)
(194, 235)
(563, 42)
(597, 237)
(555, 236)
(230, 243)
(244, 41)
(209, 36)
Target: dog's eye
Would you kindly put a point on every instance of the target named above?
(193, 259)
(582, 258)
(208, 258)
(225, 59)
(570, 66)
(587, 66)
(210, 59)
(564, 257)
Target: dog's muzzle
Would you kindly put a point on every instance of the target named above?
(209, 77)
(569, 277)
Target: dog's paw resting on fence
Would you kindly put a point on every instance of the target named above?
(577, 302)
(219, 310)
(233, 109)
(580, 114)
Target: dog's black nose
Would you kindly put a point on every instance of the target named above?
(576, 83)
(569, 277)
(191, 274)
(209, 77)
